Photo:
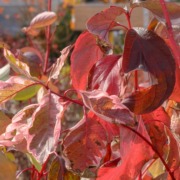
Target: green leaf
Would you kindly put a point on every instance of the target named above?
(13, 86)
(4, 72)
(27, 93)
(33, 161)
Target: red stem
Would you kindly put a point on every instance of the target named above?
(174, 46)
(128, 17)
(48, 42)
(149, 143)
(24, 170)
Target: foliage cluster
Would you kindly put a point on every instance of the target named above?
(130, 125)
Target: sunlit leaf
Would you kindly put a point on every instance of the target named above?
(139, 45)
(43, 19)
(101, 23)
(106, 75)
(18, 66)
(85, 54)
(134, 151)
(8, 168)
(155, 7)
(54, 74)
(107, 107)
(85, 146)
(157, 168)
(4, 72)
(45, 127)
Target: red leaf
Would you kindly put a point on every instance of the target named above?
(85, 146)
(155, 7)
(106, 75)
(86, 53)
(135, 152)
(139, 45)
(45, 127)
(163, 139)
(101, 23)
(108, 108)
(176, 91)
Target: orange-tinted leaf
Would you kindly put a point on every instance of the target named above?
(134, 151)
(8, 168)
(45, 127)
(139, 45)
(101, 23)
(107, 107)
(155, 7)
(54, 74)
(106, 75)
(85, 54)
(84, 146)
(4, 122)
(43, 19)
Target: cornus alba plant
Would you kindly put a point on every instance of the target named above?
(130, 126)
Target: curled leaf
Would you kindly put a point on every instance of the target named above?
(139, 45)
(43, 19)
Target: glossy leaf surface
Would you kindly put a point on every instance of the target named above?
(139, 45)
(85, 54)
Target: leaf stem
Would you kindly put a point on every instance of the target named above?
(149, 143)
(174, 46)
(48, 42)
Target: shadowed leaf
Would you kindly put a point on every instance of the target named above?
(107, 107)
(139, 45)
(4, 122)
(85, 54)
(85, 146)
(155, 7)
